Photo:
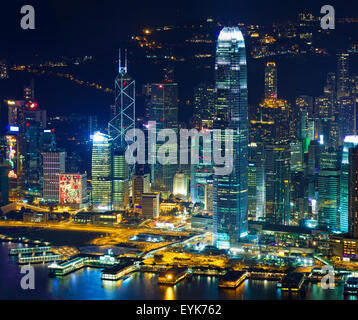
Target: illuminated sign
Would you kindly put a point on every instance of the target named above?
(32, 105)
(11, 155)
(321, 139)
(14, 129)
(99, 137)
(70, 188)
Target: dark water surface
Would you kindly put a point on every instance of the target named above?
(87, 284)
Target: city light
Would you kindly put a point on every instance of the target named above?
(199, 160)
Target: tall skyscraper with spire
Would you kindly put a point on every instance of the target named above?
(123, 119)
(230, 192)
(124, 111)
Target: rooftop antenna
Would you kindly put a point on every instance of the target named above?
(119, 60)
(125, 60)
(121, 69)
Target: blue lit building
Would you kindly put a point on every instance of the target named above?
(349, 142)
(328, 198)
(230, 192)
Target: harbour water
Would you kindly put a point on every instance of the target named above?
(87, 284)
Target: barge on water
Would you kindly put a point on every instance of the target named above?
(232, 279)
(173, 276)
(293, 282)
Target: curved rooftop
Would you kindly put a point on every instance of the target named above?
(230, 33)
(351, 139)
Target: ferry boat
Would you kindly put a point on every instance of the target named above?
(232, 279)
(173, 276)
(351, 286)
(293, 282)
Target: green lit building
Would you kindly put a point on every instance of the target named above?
(101, 171)
(120, 182)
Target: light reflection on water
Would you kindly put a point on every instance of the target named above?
(87, 284)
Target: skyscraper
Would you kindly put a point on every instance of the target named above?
(122, 120)
(34, 141)
(330, 89)
(53, 165)
(151, 205)
(305, 126)
(349, 142)
(120, 180)
(4, 184)
(270, 80)
(353, 193)
(164, 105)
(252, 183)
(138, 181)
(328, 198)
(277, 175)
(296, 156)
(164, 110)
(342, 75)
(274, 113)
(204, 103)
(199, 175)
(123, 112)
(347, 116)
(180, 185)
(230, 192)
(101, 171)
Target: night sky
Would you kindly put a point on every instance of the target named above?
(88, 27)
(69, 26)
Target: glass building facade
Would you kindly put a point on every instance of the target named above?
(164, 111)
(349, 142)
(120, 181)
(101, 171)
(328, 190)
(230, 192)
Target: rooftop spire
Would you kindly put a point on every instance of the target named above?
(120, 68)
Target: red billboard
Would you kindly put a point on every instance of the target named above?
(70, 188)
